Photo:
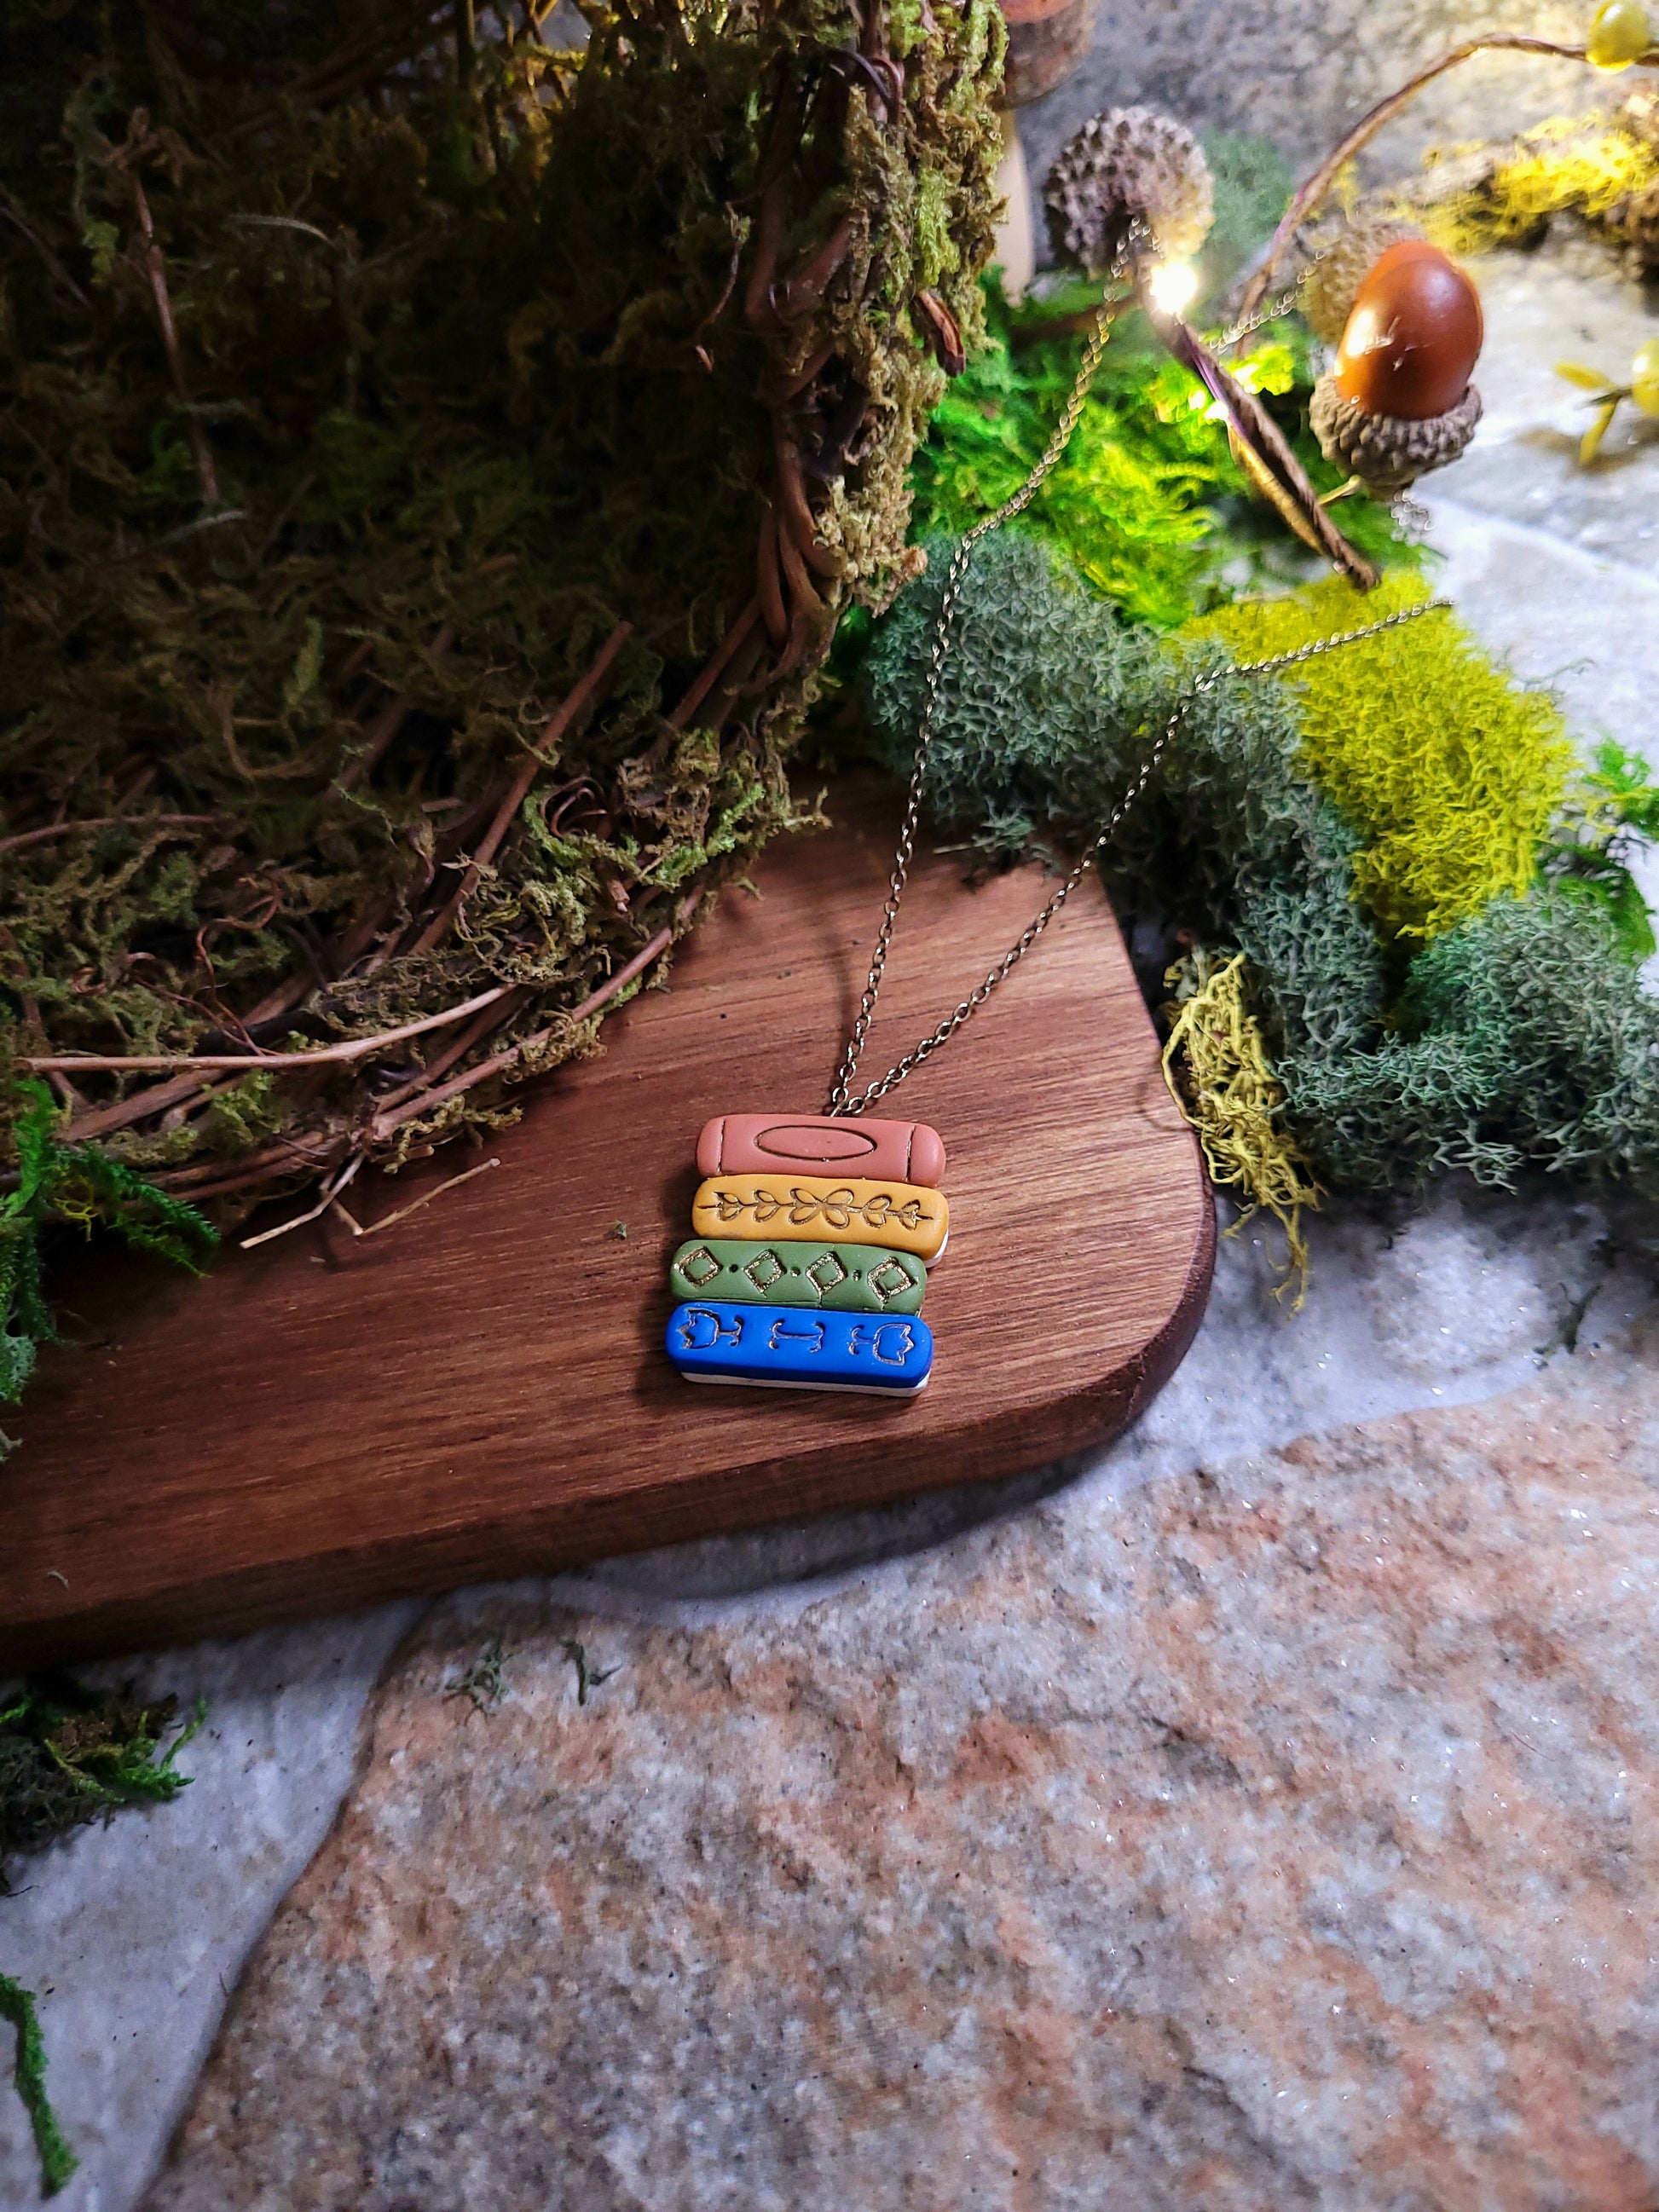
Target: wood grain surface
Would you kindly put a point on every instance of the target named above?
(482, 1392)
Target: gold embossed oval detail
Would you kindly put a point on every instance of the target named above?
(905, 1217)
(836, 1144)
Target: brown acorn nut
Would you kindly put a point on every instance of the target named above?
(1413, 336)
(1331, 284)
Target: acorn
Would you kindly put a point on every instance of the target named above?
(1399, 401)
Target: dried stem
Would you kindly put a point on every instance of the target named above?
(718, 660)
(351, 1049)
(1269, 459)
(387, 723)
(278, 1163)
(156, 265)
(105, 822)
(806, 287)
(390, 1220)
(794, 515)
(333, 1190)
(1309, 195)
(54, 268)
(456, 1049)
(768, 584)
(355, 63)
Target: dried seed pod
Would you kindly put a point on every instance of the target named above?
(1413, 336)
(1329, 286)
(1389, 452)
(1127, 168)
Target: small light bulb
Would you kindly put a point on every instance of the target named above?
(1171, 286)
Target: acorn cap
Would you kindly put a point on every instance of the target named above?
(1129, 165)
(1326, 294)
(1386, 452)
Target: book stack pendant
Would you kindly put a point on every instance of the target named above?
(813, 1237)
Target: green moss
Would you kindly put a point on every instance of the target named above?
(82, 1185)
(1148, 505)
(1520, 1038)
(67, 1757)
(1450, 769)
(58, 2161)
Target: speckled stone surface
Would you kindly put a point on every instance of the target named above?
(1302, 72)
(133, 1934)
(1280, 1833)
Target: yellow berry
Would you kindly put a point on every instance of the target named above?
(1645, 377)
(1619, 34)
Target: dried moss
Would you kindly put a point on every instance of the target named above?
(463, 380)
(1215, 1061)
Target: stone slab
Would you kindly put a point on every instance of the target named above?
(1280, 1833)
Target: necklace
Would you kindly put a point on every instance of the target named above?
(815, 1232)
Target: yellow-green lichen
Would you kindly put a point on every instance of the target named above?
(1562, 166)
(1450, 770)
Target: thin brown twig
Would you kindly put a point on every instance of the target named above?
(1308, 195)
(391, 1221)
(351, 1049)
(156, 265)
(456, 1049)
(104, 821)
(581, 695)
(769, 583)
(807, 286)
(215, 521)
(795, 518)
(155, 1098)
(284, 1159)
(718, 662)
(338, 1184)
(367, 54)
(52, 266)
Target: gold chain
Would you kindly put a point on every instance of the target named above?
(840, 1099)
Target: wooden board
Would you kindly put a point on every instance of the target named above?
(482, 1392)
